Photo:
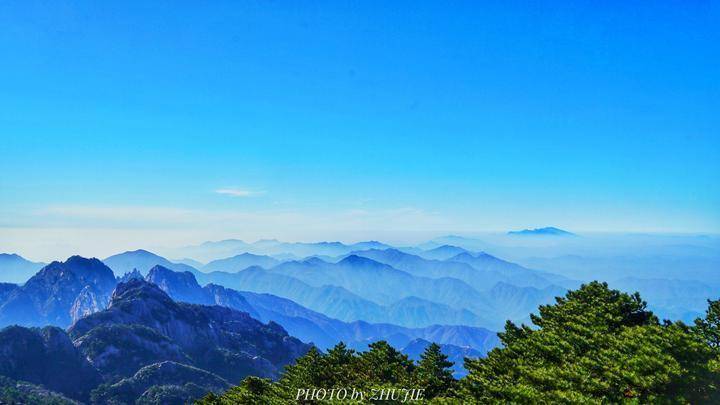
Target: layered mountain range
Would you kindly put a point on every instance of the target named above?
(139, 327)
(140, 344)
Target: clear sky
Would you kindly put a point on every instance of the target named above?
(129, 124)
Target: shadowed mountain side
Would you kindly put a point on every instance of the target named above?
(166, 383)
(218, 339)
(6, 289)
(59, 293)
(41, 356)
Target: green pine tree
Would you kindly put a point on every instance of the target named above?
(709, 327)
(383, 365)
(433, 372)
(308, 372)
(341, 366)
(595, 345)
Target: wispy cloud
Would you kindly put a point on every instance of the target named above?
(238, 192)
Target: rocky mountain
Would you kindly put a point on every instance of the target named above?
(143, 261)
(143, 347)
(181, 286)
(48, 358)
(59, 293)
(16, 269)
(152, 327)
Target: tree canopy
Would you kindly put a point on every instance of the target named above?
(594, 345)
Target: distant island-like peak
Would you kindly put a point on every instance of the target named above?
(547, 231)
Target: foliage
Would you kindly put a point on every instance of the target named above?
(433, 372)
(19, 392)
(594, 345)
(380, 367)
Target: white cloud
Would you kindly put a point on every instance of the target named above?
(237, 192)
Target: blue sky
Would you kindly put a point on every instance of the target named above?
(345, 120)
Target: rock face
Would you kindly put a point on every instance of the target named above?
(86, 303)
(143, 347)
(118, 351)
(46, 357)
(142, 324)
(166, 382)
(182, 286)
(59, 293)
(130, 275)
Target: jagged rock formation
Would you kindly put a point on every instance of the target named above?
(142, 323)
(59, 293)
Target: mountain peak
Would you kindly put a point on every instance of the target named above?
(546, 231)
(355, 260)
(135, 289)
(182, 286)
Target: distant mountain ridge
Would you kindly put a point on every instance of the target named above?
(241, 262)
(142, 260)
(65, 297)
(16, 269)
(546, 231)
(209, 251)
(310, 325)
